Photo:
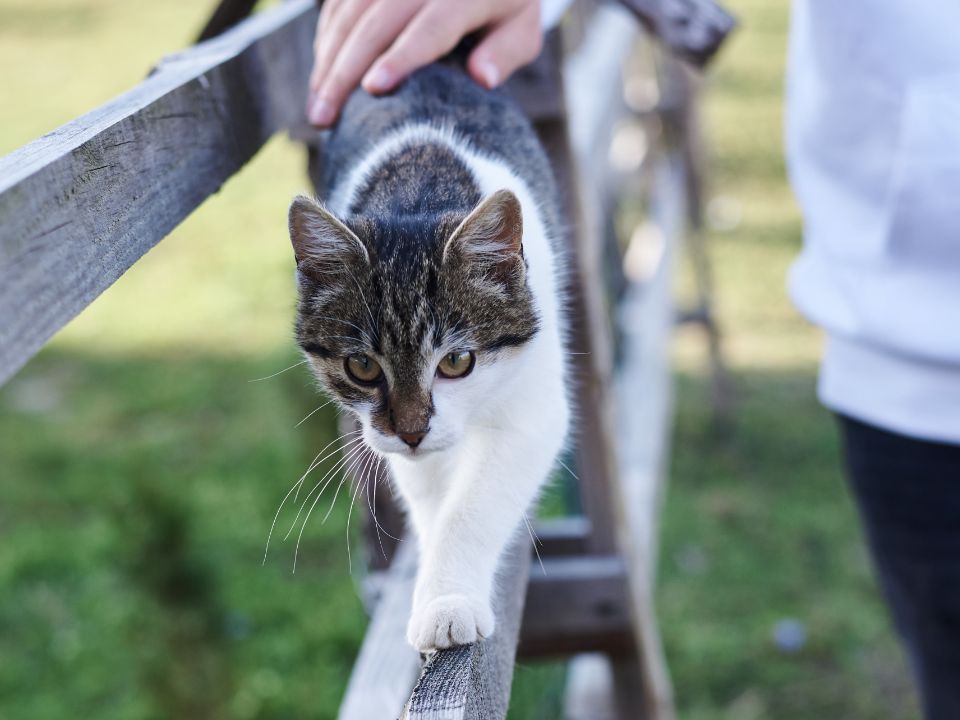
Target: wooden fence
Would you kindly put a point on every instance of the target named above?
(80, 205)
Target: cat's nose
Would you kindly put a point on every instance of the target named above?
(412, 439)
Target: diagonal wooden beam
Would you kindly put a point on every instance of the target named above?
(80, 205)
(473, 682)
(464, 683)
(227, 14)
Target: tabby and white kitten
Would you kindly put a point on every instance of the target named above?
(431, 307)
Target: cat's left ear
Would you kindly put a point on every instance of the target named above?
(491, 236)
(322, 244)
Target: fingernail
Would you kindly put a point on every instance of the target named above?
(321, 112)
(379, 79)
(489, 73)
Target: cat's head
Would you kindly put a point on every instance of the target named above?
(412, 324)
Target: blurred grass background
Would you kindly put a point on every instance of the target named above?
(140, 467)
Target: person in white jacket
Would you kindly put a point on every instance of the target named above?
(873, 147)
(873, 134)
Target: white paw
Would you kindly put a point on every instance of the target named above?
(449, 620)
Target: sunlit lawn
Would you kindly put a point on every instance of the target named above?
(758, 527)
(141, 461)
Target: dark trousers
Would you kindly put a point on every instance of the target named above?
(908, 492)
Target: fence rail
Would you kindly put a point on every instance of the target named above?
(80, 205)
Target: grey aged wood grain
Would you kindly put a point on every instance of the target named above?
(385, 675)
(80, 205)
(473, 682)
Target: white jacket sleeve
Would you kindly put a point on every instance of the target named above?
(551, 11)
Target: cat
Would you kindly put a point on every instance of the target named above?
(431, 305)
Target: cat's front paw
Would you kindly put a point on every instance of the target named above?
(449, 620)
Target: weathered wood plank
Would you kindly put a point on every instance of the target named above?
(606, 43)
(80, 205)
(643, 392)
(692, 29)
(563, 536)
(574, 605)
(387, 667)
(473, 682)
(451, 681)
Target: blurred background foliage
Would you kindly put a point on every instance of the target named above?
(141, 461)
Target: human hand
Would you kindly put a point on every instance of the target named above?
(383, 41)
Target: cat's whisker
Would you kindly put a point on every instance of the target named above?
(564, 466)
(279, 372)
(317, 460)
(313, 412)
(303, 527)
(380, 528)
(533, 532)
(337, 493)
(535, 540)
(367, 484)
(331, 473)
(296, 487)
(360, 483)
(377, 477)
(273, 524)
(372, 505)
(367, 488)
(344, 464)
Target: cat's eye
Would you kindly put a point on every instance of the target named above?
(363, 369)
(456, 364)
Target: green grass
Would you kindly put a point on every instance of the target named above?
(758, 525)
(140, 468)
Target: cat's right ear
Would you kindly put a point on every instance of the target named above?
(321, 243)
(491, 237)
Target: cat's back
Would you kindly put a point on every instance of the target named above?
(404, 146)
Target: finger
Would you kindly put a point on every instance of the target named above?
(507, 47)
(332, 31)
(433, 33)
(372, 34)
(317, 44)
(327, 9)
